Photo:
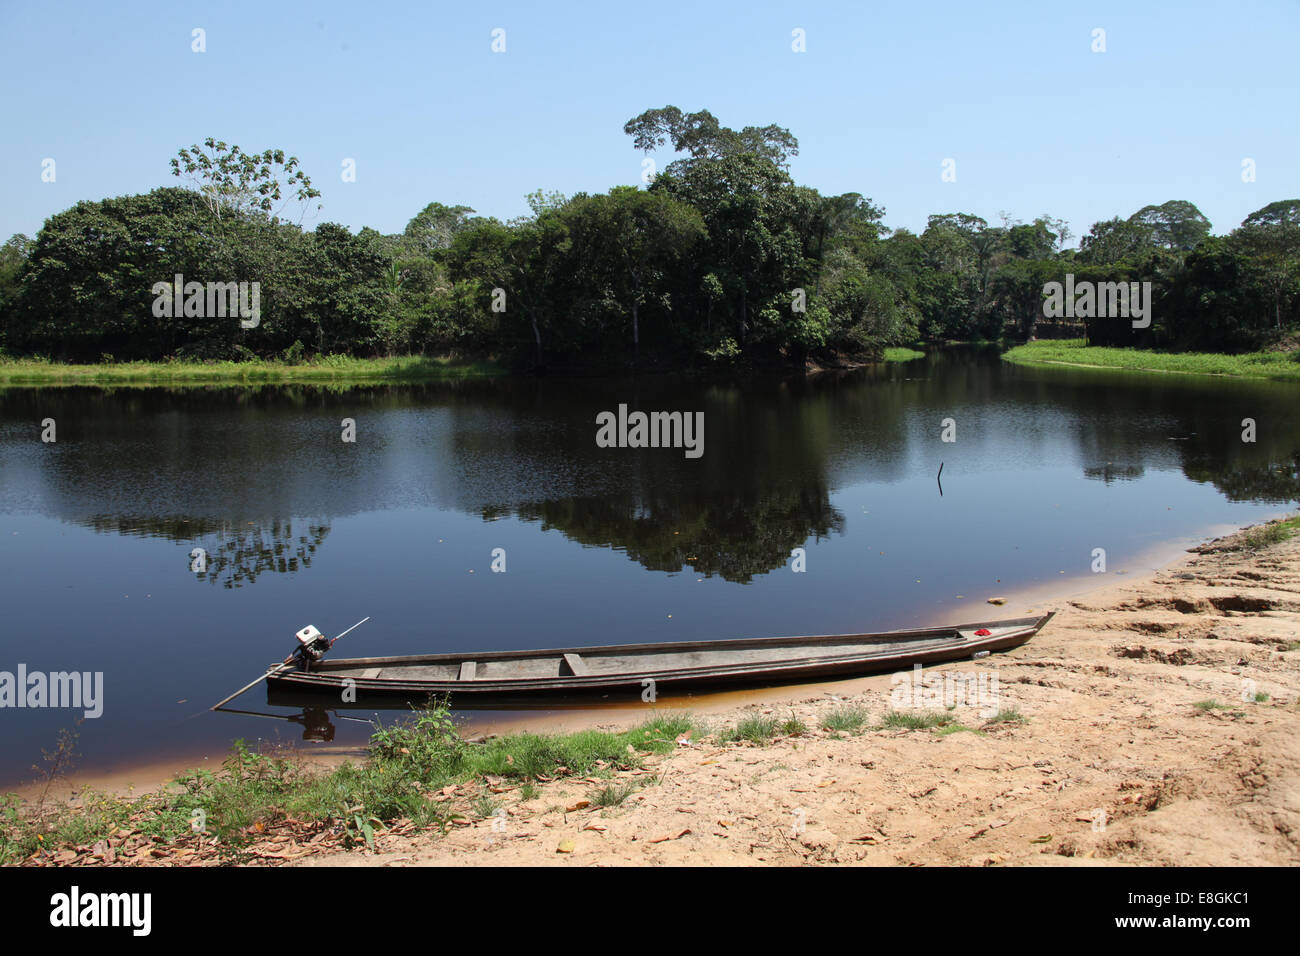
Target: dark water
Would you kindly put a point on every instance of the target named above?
(602, 545)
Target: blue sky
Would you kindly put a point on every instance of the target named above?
(1036, 121)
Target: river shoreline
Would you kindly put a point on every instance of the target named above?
(1075, 353)
(1023, 601)
(342, 370)
(335, 369)
(1158, 725)
(1174, 690)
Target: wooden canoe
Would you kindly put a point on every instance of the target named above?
(625, 669)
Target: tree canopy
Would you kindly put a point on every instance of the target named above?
(722, 257)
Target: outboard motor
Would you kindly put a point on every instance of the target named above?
(312, 645)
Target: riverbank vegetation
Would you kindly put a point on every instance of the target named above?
(1281, 366)
(409, 778)
(721, 259)
(328, 368)
(419, 775)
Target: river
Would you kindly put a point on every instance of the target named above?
(99, 571)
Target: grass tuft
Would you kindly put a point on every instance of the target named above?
(851, 718)
(895, 719)
(757, 730)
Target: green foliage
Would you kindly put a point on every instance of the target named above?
(851, 718)
(409, 761)
(722, 259)
(755, 729)
(1275, 532)
(1272, 365)
(230, 180)
(924, 721)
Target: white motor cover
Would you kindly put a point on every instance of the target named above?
(308, 635)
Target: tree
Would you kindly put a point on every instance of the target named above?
(1035, 240)
(1176, 224)
(700, 135)
(13, 259)
(642, 236)
(523, 261)
(1113, 240)
(434, 227)
(246, 183)
(749, 207)
(1215, 304)
(1272, 237)
(87, 281)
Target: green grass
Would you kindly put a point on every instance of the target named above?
(408, 762)
(897, 720)
(1269, 365)
(1275, 532)
(340, 369)
(1007, 715)
(956, 728)
(851, 718)
(902, 355)
(793, 727)
(613, 794)
(1205, 706)
(758, 730)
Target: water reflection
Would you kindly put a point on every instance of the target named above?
(317, 727)
(256, 477)
(98, 531)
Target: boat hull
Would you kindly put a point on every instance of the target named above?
(627, 671)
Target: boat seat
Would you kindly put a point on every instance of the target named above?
(371, 673)
(468, 669)
(577, 666)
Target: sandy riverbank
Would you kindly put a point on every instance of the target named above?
(1114, 763)
(1158, 724)
(139, 778)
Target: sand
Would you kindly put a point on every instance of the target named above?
(1114, 763)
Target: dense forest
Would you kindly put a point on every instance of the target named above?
(721, 258)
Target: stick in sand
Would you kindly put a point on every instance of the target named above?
(254, 683)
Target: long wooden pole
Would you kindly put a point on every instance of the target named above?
(249, 685)
(350, 630)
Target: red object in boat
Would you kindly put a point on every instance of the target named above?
(983, 632)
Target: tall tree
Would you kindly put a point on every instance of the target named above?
(434, 227)
(1272, 237)
(247, 183)
(1176, 224)
(703, 137)
(644, 236)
